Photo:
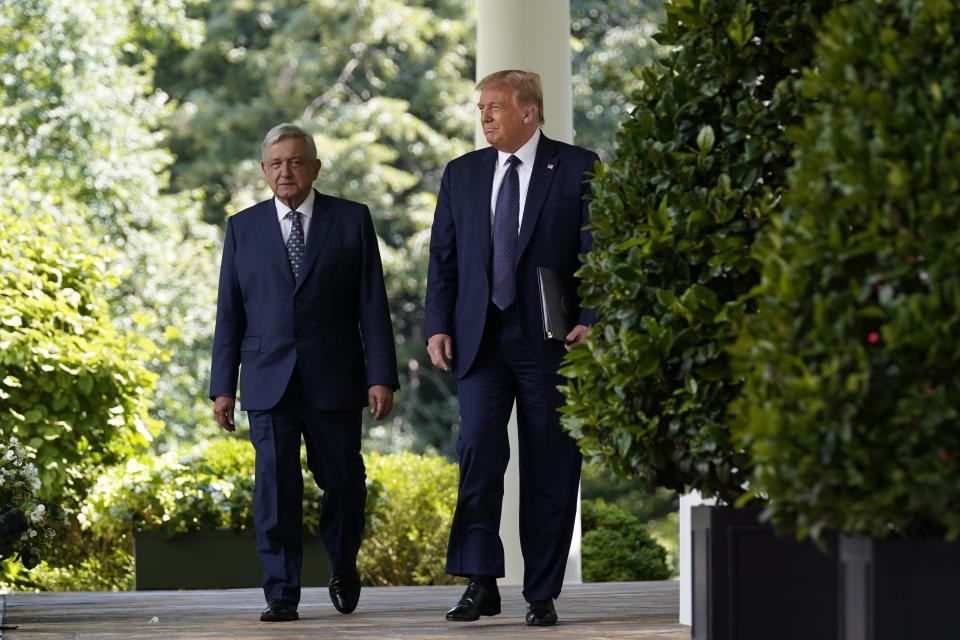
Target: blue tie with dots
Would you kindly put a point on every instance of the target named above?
(506, 222)
(295, 244)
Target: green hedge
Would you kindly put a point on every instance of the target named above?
(616, 547)
(851, 402)
(210, 486)
(411, 514)
(699, 165)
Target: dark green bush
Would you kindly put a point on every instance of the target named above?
(699, 165)
(851, 403)
(616, 546)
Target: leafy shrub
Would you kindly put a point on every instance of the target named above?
(851, 402)
(700, 163)
(72, 384)
(210, 486)
(207, 486)
(406, 540)
(616, 546)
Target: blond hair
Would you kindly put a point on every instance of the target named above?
(526, 86)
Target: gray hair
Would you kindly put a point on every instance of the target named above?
(287, 130)
(526, 85)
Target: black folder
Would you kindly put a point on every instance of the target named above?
(558, 303)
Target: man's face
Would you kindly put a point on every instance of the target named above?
(506, 126)
(290, 170)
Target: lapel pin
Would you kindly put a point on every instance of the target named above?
(550, 166)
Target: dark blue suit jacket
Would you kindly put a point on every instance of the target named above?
(334, 325)
(551, 235)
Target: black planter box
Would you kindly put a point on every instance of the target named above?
(749, 584)
(214, 560)
(899, 589)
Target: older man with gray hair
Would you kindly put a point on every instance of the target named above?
(302, 319)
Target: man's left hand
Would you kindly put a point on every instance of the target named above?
(381, 401)
(577, 335)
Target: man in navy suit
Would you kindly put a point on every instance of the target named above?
(502, 212)
(302, 315)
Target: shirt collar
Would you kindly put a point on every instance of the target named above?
(305, 208)
(527, 153)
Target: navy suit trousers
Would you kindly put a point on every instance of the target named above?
(333, 456)
(549, 463)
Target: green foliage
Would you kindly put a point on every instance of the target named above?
(73, 384)
(611, 41)
(41, 520)
(617, 547)
(598, 481)
(406, 539)
(699, 165)
(79, 123)
(207, 486)
(850, 403)
(210, 486)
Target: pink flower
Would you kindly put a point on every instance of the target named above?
(873, 337)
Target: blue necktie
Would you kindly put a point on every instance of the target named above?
(506, 222)
(295, 244)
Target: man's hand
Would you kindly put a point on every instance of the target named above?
(223, 412)
(440, 348)
(577, 335)
(381, 401)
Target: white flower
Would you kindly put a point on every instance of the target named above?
(33, 533)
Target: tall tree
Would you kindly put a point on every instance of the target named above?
(612, 40)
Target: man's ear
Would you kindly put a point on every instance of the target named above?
(530, 114)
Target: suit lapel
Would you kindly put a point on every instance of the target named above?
(544, 168)
(270, 229)
(482, 191)
(320, 224)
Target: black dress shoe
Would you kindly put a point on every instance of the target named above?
(477, 601)
(541, 613)
(345, 591)
(279, 611)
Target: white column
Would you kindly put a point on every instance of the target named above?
(687, 501)
(531, 35)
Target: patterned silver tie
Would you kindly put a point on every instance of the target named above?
(295, 244)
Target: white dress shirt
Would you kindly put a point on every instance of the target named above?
(305, 209)
(527, 154)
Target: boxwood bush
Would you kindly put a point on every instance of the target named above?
(616, 546)
(851, 402)
(699, 165)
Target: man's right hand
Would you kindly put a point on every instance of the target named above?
(223, 412)
(440, 348)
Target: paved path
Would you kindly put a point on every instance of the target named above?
(619, 610)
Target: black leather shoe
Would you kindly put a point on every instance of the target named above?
(279, 611)
(541, 613)
(477, 601)
(345, 591)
